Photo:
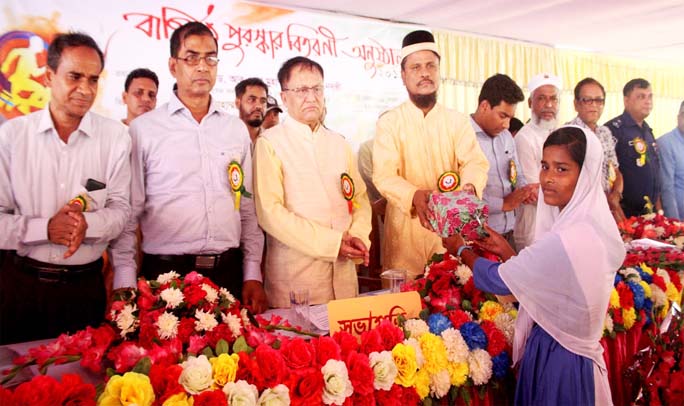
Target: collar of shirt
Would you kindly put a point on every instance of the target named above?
(479, 130)
(303, 129)
(175, 105)
(46, 123)
(628, 121)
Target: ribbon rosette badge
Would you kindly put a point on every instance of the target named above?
(448, 182)
(512, 174)
(640, 147)
(236, 178)
(81, 200)
(347, 185)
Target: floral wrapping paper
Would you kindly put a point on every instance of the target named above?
(458, 212)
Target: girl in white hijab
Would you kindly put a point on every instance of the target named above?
(562, 281)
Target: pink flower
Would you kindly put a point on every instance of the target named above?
(126, 355)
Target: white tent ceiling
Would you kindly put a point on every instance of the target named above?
(644, 29)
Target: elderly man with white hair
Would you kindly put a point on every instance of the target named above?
(544, 99)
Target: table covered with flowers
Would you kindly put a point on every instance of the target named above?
(184, 341)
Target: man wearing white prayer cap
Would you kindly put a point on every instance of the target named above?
(544, 98)
(416, 144)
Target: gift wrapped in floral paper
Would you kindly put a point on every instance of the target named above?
(458, 212)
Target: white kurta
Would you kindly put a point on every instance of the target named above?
(300, 205)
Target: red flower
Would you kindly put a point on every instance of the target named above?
(197, 344)
(409, 396)
(306, 387)
(347, 342)
(6, 397)
(626, 295)
(76, 392)
(211, 398)
(675, 393)
(271, 365)
(164, 380)
(248, 370)
(167, 354)
(326, 349)
(102, 338)
(371, 341)
(458, 317)
(126, 355)
(391, 397)
(146, 298)
(659, 282)
(40, 391)
(193, 294)
(357, 399)
(255, 337)
(186, 328)
(360, 373)
(298, 353)
(390, 334)
(496, 341)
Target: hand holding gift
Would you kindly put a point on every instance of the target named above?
(457, 212)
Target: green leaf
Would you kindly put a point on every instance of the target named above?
(467, 305)
(481, 391)
(427, 402)
(240, 345)
(276, 344)
(222, 347)
(208, 352)
(110, 372)
(466, 395)
(424, 314)
(143, 366)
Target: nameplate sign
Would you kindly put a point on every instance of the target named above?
(361, 314)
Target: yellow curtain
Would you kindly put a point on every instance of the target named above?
(467, 61)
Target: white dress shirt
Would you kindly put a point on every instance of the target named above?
(39, 174)
(180, 192)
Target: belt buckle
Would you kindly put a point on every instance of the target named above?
(205, 261)
(51, 275)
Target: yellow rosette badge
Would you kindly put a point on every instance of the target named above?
(512, 173)
(640, 147)
(448, 182)
(81, 200)
(236, 178)
(347, 185)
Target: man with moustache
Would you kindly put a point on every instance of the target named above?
(191, 215)
(251, 96)
(140, 93)
(310, 198)
(590, 97)
(64, 195)
(417, 144)
(637, 151)
(543, 101)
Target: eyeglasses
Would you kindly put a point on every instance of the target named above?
(194, 59)
(304, 90)
(588, 102)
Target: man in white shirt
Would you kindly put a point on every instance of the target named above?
(140, 93)
(544, 97)
(310, 197)
(191, 214)
(64, 194)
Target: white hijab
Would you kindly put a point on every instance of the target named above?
(564, 279)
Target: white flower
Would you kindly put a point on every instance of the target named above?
(629, 272)
(279, 395)
(440, 384)
(338, 387)
(480, 364)
(384, 369)
(648, 217)
(173, 297)
(506, 323)
(226, 294)
(416, 327)
(663, 274)
(205, 321)
(212, 294)
(233, 322)
(608, 323)
(679, 241)
(196, 376)
(660, 231)
(167, 277)
(126, 320)
(658, 296)
(245, 317)
(457, 349)
(167, 326)
(241, 393)
(420, 360)
(463, 273)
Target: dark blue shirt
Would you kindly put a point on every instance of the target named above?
(640, 177)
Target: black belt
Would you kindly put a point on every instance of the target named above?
(47, 272)
(199, 261)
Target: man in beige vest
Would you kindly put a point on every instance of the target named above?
(310, 198)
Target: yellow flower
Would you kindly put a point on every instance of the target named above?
(458, 372)
(224, 368)
(513, 313)
(405, 359)
(434, 353)
(130, 389)
(490, 310)
(672, 292)
(647, 289)
(614, 299)
(646, 268)
(179, 399)
(664, 310)
(423, 383)
(628, 317)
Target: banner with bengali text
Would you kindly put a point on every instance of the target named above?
(360, 56)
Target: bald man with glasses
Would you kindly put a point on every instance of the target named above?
(590, 98)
